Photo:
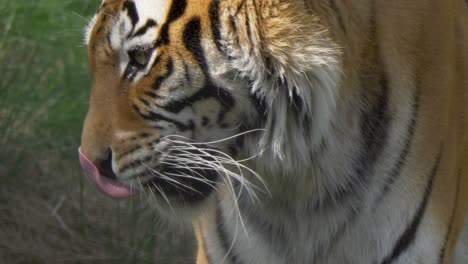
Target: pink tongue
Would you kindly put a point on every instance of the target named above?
(107, 186)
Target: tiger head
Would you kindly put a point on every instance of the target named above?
(184, 91)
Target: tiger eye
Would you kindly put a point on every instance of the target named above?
(141, 57)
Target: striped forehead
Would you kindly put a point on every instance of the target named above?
(138, 23)
(135, 15)
(149, 10)
(148, 25)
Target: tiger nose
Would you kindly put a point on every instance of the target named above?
(105, 166)
(101, 161)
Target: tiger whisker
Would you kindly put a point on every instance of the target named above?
(186, 166)
(176, 164)
(155, 200)
(208, 182)
(164, 197)
(109, 15)
(203, 179)
(230, 160)
(214, 166)
(192, 157)
(192, 170)
(238, 178)
(236, 204)
(230, 186)
(209, 142)
(141, 188)
(80, 16)
(226, 159)
(170, 180)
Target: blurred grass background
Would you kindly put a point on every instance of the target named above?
(49, 213)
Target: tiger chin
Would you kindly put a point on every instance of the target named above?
(316, 131)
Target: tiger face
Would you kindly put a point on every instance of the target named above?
(184, 90)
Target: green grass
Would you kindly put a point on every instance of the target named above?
(49, 213)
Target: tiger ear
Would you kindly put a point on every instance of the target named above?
(290, 59)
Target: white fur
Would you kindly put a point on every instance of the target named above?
(89, 29)
(151, 9)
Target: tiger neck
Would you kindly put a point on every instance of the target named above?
(330, 171)
(307, 202)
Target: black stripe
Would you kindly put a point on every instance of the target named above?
(260, 105)
(374, 131)
(163, 38)
(215, 25)
(235, 33)
(401, 161)
(137, 146)
(337, 12)
(152, 116)
(199, 179)
(205, 121)
(169, 71)
(207, 92)
(181, 126)
(149, 24)
(192, 41)
(131, 11)
(134, 164)
(248, 29)
(258, 101)
(226, 242)
(240, 6)
(145, 102)
(409, 235)
(227, 103)
(98, 31)
(140, 136)
(176, 11)
(153, 95)
(451, 219)
(128, 152)
(156, 61)
(187, 75)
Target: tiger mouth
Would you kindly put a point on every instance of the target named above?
(192, 186)
(105, 181)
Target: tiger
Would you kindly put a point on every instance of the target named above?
(287, 131)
